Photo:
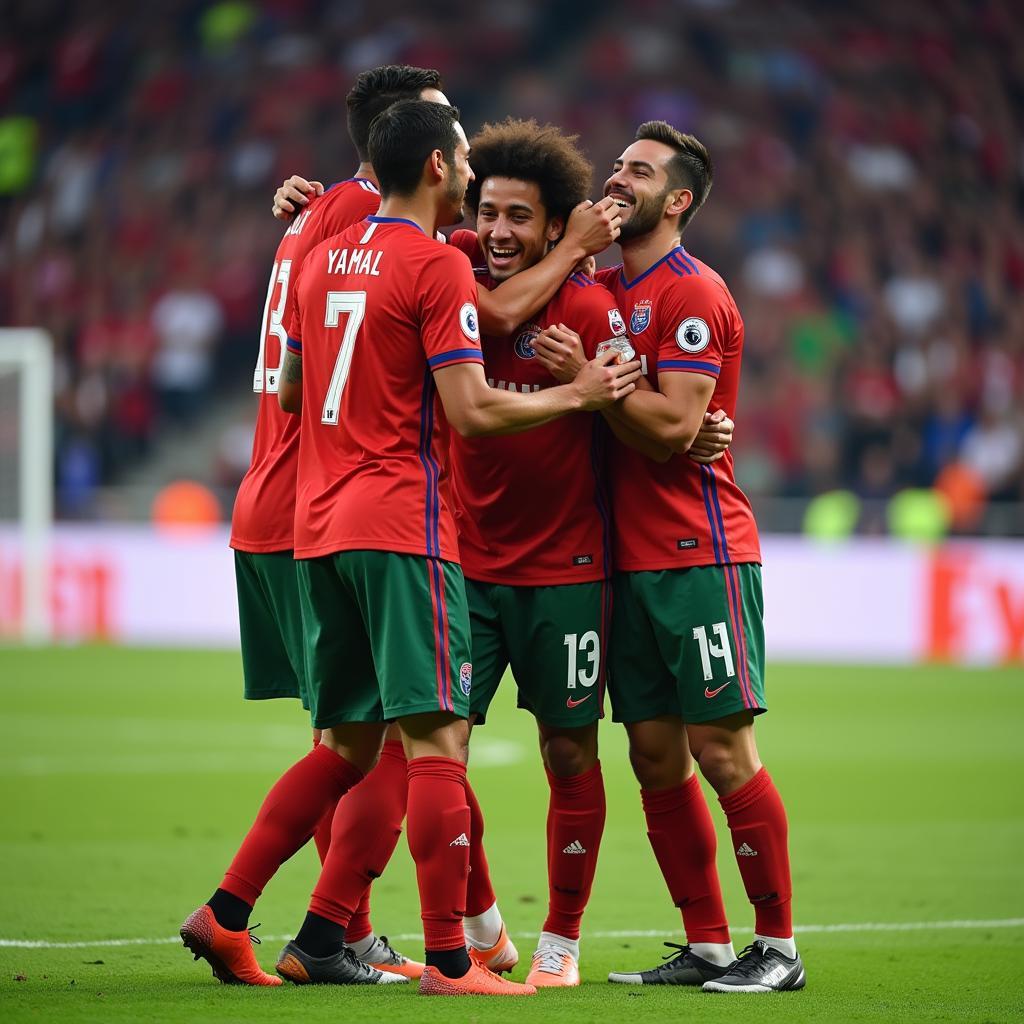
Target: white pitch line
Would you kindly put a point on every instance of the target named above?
(807, 929)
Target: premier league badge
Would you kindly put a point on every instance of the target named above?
(524, 343)
(640, 319)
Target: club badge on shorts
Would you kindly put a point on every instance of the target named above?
(466, 678)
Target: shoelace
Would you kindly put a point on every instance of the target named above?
(682, 952)
(361, 968)
(750, 959)
(253, 938)
(549, 959)
(391, 955)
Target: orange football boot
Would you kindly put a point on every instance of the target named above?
(477, 981)
(228, 953)
(553, 968)
(501, 957)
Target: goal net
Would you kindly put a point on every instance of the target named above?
(26, 483)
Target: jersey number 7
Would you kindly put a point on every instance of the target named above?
(354, 305)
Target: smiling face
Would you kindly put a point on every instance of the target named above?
(513, 226)
(640, 185)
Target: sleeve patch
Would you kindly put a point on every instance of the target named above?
(469, 321)
(693, 335)
(616, 323)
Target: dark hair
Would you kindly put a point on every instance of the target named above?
(689, 168)
(375, 91)
(403, 136)
(527, 151)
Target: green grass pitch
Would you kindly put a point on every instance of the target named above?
(129, 776)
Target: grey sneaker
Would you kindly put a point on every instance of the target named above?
(382, 956)
(342, 968)
(682, 968)
(761, 968)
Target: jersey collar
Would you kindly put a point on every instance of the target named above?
(650, 270)
(374, 219)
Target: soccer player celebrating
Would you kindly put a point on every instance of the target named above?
(385, 340)
(687, 656)
(263, 521)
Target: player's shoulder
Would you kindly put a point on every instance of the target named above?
(581, 292)
(692, 280)
(351, 190)
(607, 276)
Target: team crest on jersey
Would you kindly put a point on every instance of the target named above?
(466, 678)
(693, 335)
(640, 319)
(616, 323)
(524, 343)
(469, 322)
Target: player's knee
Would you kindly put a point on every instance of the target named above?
(721, 766)
(654, 769)
(566, 756)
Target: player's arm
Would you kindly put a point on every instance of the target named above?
(592, 227)
(295, 193)
(289, 390)
(475, 409)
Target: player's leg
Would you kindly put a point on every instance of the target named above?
(558, 636)
(485, 929)
(417, 619)
(723, 692)
(286, 820)
(345, 705)
(642, 685)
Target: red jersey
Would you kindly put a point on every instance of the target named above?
(264, 515)
(532, 507)
(377, 309)
(681, 319)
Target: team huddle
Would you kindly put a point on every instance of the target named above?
(477, 454)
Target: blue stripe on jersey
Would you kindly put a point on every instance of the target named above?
(688, 364)
(688, 259)
(705, 489)
(395, 220)
(678, 263)
(294, 344)
(650, 270)
(454, 355)
(718, 512)
(598, 440)
(427, 461)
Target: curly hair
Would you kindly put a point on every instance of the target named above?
(690, 167)
(527, 151)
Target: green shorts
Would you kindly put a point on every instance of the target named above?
(386, 635)
(554, 639)
(271, 626)
(687, 642)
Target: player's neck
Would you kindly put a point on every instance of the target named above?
(365, 170)
(421, 210)
(641, 253)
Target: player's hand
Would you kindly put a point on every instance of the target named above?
(293, 194)
(586, 266)
(560, 351)
(713, 439)
(605, 380)
(593, 227)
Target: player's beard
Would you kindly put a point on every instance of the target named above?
(646, 216)
(455, 194)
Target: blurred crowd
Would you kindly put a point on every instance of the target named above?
(868, 206)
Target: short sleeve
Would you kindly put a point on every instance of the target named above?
(696, 328)
(348, 206)
(449, 321)
(593, 314)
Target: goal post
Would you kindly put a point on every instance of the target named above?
(26, 450)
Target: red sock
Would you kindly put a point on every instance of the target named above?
(290, 813)
(576, 812)
(364, 834)
(322, 835)
(439, 827)
(760, 836)
(682, 836)
(479, 891)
